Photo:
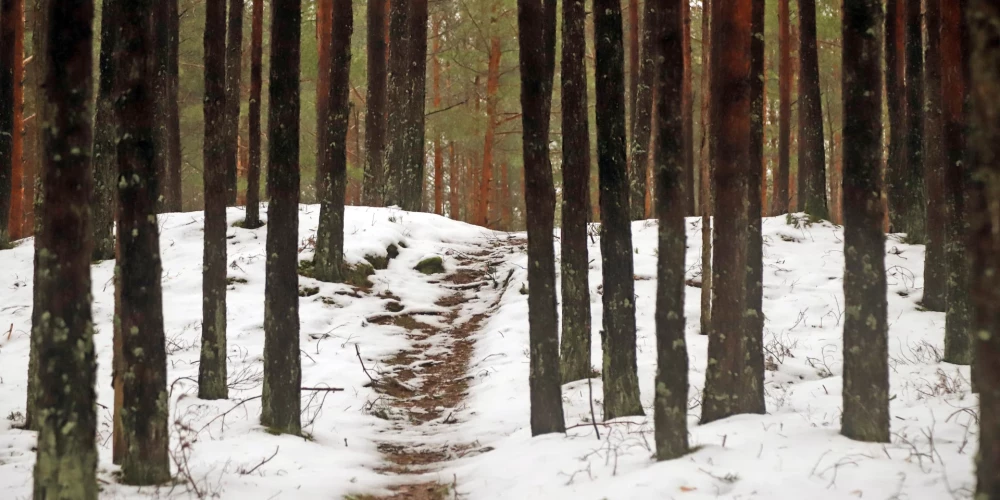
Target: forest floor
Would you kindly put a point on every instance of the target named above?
(434, 369)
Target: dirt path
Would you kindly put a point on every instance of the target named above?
(425, 385)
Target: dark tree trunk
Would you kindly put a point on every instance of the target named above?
(812, 159)
(912, 216)
(161, 89)
(754, 327)
(282, 365)
(332, 157)
(895, 84)
(105, 167)
(984, 237)
(398, 100)
(958, 347)
(8, 54)
(252, 220)
(231, 119)
(375, 122)
(633, 57)
(670, 404)
(725, 393)
(144, 358)
(866, 368)
(779, 200)
(575, 347)
(705, 181)
(687, 108)
(212, 369)
(412, 190)
(39, 46)
(536, 21)
(173, 191)
(642, 108)
(935, 268)
(66, 463)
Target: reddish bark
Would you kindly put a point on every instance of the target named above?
(492, 86)
(779, 200)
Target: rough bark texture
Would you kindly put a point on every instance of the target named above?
(485, 198)
(172, 189)
(670, 403)
(436, 85)
(105, 168)
(66, 464)
(705, 177)
(575, 346)
(911, 218)
(252, 220)
(895, 84)
(8, 34)
(984, 237)
(958, 348)
(161, 82)
(212, 368)
(812, 160)
(412, 190)
(621, 381)
(332, 158)
(398, 100)
(374, 190)
(754, 316)
(634, 50)
(779, 200)
(144, 358)
(233, 71)
(725, 394)
(687, 108)
(453, 178)
(282, 364)
(866, 368)
(642, 116)
(935, 270)
(536, 21)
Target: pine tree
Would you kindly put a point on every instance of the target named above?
(536, 21)
(105, 162)
(375, 121)
(575, 346)
(233, 72)
(935, 269)
(173, 189)
(912, 216)
(866, 369)
(12, 216)
(252, 220)
(282, 364)
(895, 90)
(754, 316)
(398, 100)
(212, 368)
(413, 176)
(670, 404)
(812, 160)
(642, 119)
(66, 463)
(332, 164)
(144, 358)
(780, 198)
(687, 108)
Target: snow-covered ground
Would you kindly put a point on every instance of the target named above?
(794, 452)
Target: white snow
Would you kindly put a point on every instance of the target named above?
(793, 452)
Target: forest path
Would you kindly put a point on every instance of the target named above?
(425, 385)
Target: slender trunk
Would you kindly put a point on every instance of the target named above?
(11, 174)
(895, 63)
(39, 47)
(173, 190)
(332, 165)
(413, 187)
(536, 21)
(253, 172)
(324, 30)
(105, 167)
(438, 148)
(144, 360)
(642, 108)
(231, 119)
(212, 368)
(161, 86)
(492, 86)
(812, 164)
(705, 183)
(506, 198)
(453, 178)
(575, 346)
(935, 268)
(912, 216)
(754, 316)
(282, 364)
(866, 369)
(687, 110)
(24, 167)
(66, 463)
(375, 122)
(633, 56)
(670, 404)
(398, 101)
(725, 394)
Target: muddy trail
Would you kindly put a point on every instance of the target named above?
(423, 387)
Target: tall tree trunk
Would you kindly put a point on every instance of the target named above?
(282, 364)
(705, 181)
(39, 49)
(492, 87)
(144, 357)
(725, 393)
(536, 21)
(642, 109)
(398, 101)
(453, 180)
(670, 404)
(324, 30)
(621, 383)
(633, 57)
(866, 354)
(958, 347)
(812, 161)
(9, 134)
(687, 110)
(779, 201)
(935, 269)
(575, 346)
(66, 464)
(105, 164)
(22, 171)
(161, 87)
(233, 72)
(212, 368)
(984, 213)
(912, 216)
(413, 187)
(173, 190)
(256, 80)
(436, 85)
(895, 83)
(332, 164)
(375, 123)
(754, 316)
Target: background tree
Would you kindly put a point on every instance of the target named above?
(173, 188)
(536, 21)
(642, 110)
(8, 33)
(144, 357)
(687, 108)
(375, 110)
(756, 183)
(233, 72)
(621, 382)
(895, 83)
(575, 346)
(670, 404)
(413, 177)
(812, 156)
(212, 368)
(398, 99)
(725, 394)
(66, 463)
(333, 151)
(935, 268)
(779, 201)
(912, 219)
(705, 181)
(252, 220)
(105, 161)
(282, 365)
(866, 353)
